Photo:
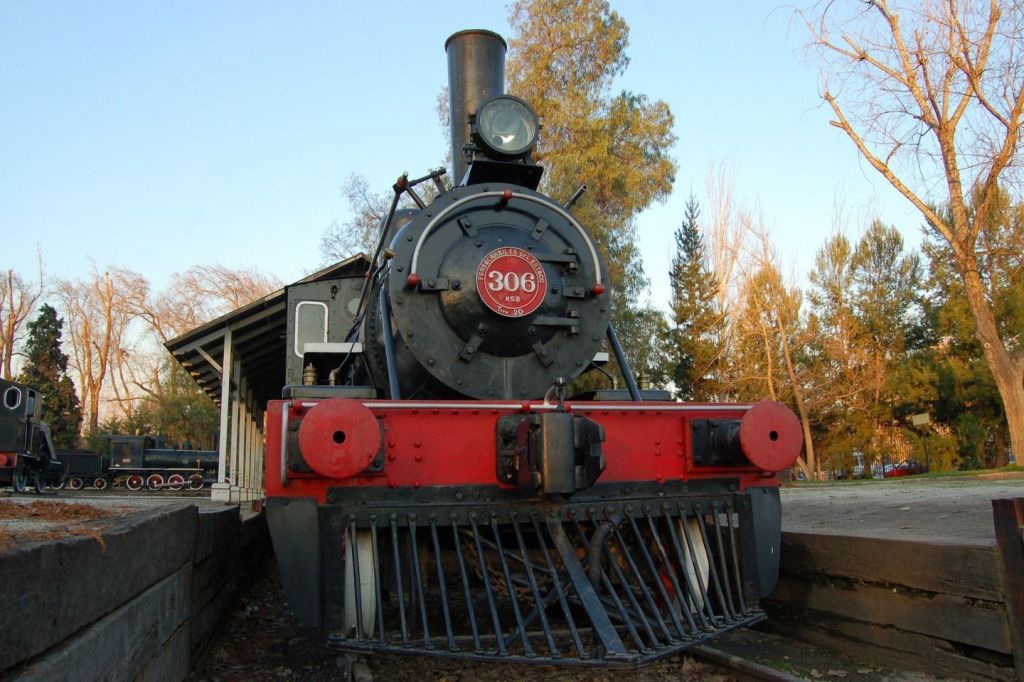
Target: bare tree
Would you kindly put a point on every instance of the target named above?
(200, 294)
(97, 312)
(932, 96)
(18, 299)
(361, 232)
(726, 234)
(768, 331)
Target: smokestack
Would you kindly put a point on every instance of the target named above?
(476, 73)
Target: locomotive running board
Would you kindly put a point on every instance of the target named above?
(623, 583)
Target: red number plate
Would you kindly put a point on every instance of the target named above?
(511, 281)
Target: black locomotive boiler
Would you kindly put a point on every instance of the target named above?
(432, 488)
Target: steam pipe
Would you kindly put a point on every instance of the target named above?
(476, 73)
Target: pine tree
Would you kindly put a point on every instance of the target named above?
(697, 322)
(47, 372)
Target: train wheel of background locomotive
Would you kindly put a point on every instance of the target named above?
(154, 481)
(39, 482)
(100, 484)
(367, 583)
(74, 483)
(702, 569)
(175, 481)
(19, 480)
(195, 482)
(134, 482)
(59, 486)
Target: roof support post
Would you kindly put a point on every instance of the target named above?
(221, 491)
(242, 479)
(236, 398)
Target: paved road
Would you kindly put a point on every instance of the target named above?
(954, 509)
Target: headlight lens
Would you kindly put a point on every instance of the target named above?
(507, 126)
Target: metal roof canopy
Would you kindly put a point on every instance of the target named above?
(257, 334)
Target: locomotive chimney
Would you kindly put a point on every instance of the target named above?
(476, 72)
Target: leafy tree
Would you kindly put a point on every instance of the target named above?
(179, 410)
(884, 295)
(947, 374)
(175, 408)
(696, 336)
(563, 60)
(863, 303)
(47, 371)
(837, 357)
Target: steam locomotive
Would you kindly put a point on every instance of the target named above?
(138, 462)
(431, 487)
(27, 457)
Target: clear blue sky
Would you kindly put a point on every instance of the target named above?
(160, 135)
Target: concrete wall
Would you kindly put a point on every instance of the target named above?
(138, 600)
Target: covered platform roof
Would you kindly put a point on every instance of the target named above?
(257, 336)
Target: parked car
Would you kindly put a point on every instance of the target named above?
(907, 467)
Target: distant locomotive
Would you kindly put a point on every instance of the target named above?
(27, 456)
(138, 461)
(431, 489)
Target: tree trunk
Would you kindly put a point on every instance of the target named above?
(1007, 370)
(798, 394)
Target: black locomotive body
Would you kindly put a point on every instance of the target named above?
(27, 456)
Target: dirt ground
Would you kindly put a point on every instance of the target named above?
(24, 520)
(261, 640)
(55, 515)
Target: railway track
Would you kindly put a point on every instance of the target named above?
(742, 668)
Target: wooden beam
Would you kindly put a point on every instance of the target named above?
(1008, 519)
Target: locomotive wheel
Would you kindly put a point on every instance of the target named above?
(59, 486)
(700, 573)
(38, 482)
(367, 583)
(195, 482)
(19, 480)
(74, 483)
(155, 482)
(175, 481)
(100, 484)
(134, 482)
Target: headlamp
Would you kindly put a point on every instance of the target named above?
(506, 126)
